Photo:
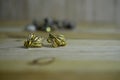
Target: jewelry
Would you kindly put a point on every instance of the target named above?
(56, 40)
(33, 41)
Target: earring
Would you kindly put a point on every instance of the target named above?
(33, 41)
(56, 40)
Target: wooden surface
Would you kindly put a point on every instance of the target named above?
(93, 58)
(92, 53)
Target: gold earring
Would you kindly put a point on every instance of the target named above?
(56, 40)
(33, 41)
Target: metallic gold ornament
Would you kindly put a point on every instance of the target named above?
(33, 41)
(56, 40)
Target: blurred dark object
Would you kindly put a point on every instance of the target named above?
(49, 24)
(68, 25)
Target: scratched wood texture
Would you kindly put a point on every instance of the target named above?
(92, 52)
(96, 59)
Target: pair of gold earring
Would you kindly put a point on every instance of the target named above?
(54, 40)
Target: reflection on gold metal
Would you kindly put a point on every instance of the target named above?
(56, 40)
(33, 41)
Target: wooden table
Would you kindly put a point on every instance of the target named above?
(87, 56)
(96, 59)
